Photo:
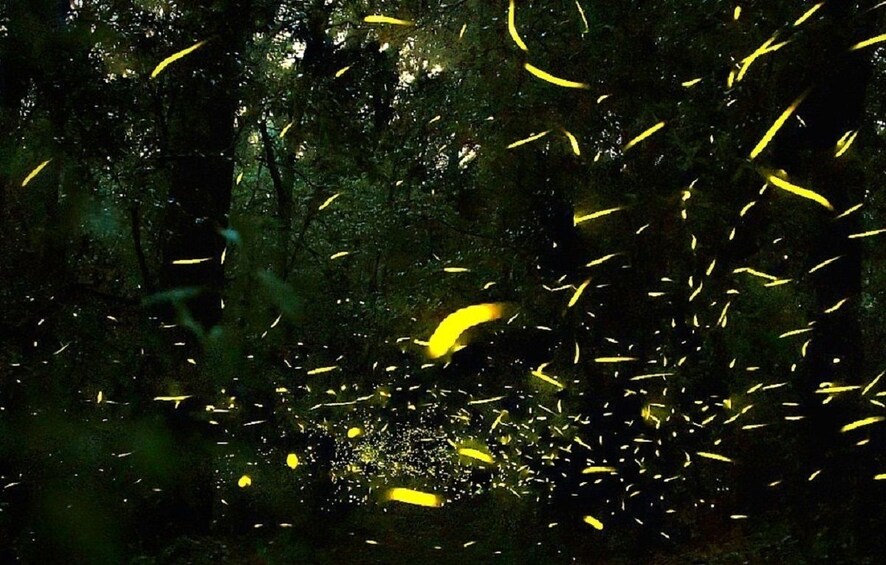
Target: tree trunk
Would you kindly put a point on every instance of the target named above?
(283, 192)
(839, 79)
(204, 100)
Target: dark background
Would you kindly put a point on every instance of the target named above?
(230, 154)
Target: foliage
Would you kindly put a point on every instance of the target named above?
(323, 176)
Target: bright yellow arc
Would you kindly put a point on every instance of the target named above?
(476, 454)
(547, 77)
(512, 27)
(35, 172)
(800, 191)
(455, 324)
(175, 57)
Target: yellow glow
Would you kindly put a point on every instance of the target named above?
(321, 370)
(755, 273)
(860, 423)
(777, 125)
(415, 497)
(175, 399)
(767, 47)
(547, 77)
(451, 328)
(601, 260)
(845, 143)
(597, 469)
(869, 42)
(529, 139)
(614, 359)
(175, 57)
(644, 135)
(539, 373)
(584, 18)
(795, 332)
(809, 13)
(329, 201)
(35, 172)
(476, 454)
(867, 233)
(836, 389)
(594, 215)
(799, 191)
(581, 288)
(573, 141)
(386, 20)
(512, 26)
(715, 456)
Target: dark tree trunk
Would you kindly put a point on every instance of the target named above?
(135, 224)
(839, 80)
(204, 100)
(283, 191)
(203, 93)
(834, 106)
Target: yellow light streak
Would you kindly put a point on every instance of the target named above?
(581, 288)
(594, 215)
(714, 456)
(808, 14)
(512, 26)
(386, 20)
(799, 191)
(415, 497)
(476, 454)
(35, 172)
(646, 134)
(573, 141)
(777, 125)
(529, 139)
(868, 42)
(860, 423)
(547, 77)
(321, 370)
(451, 328)
(175, 57)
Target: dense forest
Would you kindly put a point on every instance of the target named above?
(377, 281)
